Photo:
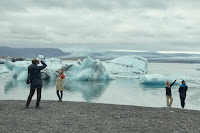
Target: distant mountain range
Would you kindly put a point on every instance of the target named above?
(30, 52)
(102, 55)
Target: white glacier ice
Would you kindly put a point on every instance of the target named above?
(19, 69)
(127, 66)
(87, 69)
(2, 61)
(9, 65)
(41, 57)
(198, 69)
(161, 79)
(154, 79)
(3, 70)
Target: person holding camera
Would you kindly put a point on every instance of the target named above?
(34, 76)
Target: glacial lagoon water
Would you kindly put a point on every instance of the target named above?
(123, 91)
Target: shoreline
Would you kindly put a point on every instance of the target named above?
(107, 59)
(94, 117)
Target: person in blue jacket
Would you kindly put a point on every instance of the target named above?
(182, 92)
(34, 75)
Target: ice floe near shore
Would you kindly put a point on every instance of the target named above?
(20, 72)
(2, 61)
(91, 69)
(127, 66)
(3, 70)
(160, 79)
(154, 79)
(87, 69)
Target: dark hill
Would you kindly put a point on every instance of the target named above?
(30, 52)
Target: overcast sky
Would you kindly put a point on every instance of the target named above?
(116, 24)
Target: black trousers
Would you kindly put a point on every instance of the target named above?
(60, 95)
(32, 91)
(182, 98)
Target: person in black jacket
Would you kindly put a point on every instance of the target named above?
(182, 92)
(169, 93)
(34, 75)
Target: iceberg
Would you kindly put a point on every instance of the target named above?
(4, 70)
(41, 57)
(156, 79)
(2, 61)
(20, 69)
(127, 66)
(86, 70)
(9, 65)
(198, 69)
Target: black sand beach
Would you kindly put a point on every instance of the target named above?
(59, 117)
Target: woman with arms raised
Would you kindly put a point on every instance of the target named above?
(169, 93)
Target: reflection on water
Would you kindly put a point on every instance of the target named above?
(89, 89)
(150, 87)
(147, 87)
(15, 84)
(119, 91)
(10, 85)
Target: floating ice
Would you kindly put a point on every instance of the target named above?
(127, 66)
(2, 61)
(3, 70)
(87, 69)
(41, 57)
(154, 79)
(9, 65)
(198, 69)
(161, 79)
(20, 68)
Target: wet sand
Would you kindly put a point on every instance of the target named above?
(59, 117)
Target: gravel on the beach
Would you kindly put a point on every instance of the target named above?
(60, 117)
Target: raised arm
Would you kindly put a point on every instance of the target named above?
(173, 83)
(43, 65)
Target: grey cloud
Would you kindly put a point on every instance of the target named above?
(124, 23)
(14, 5)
